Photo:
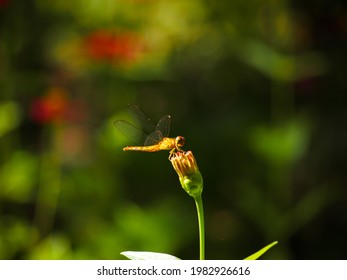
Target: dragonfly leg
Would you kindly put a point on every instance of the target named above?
(171, 153)
(174, 150)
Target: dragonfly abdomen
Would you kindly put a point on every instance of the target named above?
(152, 148)
(165, 144)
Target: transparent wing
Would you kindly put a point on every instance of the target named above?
(164, 125)
(131, 132)
(141, 119)
(162, 130)
(146, 133)
(153, 138)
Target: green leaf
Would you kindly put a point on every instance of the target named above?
(18, 177)
(261, 252)
(10, 117)
(137, 255)
(281, 144)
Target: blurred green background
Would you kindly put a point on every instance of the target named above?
(258, 88)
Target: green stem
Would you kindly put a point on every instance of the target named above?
(200, 210)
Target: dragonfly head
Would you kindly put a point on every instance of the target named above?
(180, 141)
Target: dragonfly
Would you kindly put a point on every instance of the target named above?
(154, 138)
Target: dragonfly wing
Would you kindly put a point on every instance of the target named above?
(164, 125)
(131, 132)
(162, 130)
(148, 133)
(141, 119)
(153, 138)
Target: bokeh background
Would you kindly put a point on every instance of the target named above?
(258, 88)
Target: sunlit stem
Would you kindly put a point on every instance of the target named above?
(200, 210)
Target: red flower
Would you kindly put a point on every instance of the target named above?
(4, 3)
(104, 45)
(52, 107)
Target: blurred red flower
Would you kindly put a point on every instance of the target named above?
(52, 107)
(105, 45)
(3, 3)
(56, 106)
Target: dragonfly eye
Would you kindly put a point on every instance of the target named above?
(180, 141)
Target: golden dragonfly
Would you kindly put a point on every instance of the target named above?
(153, 137)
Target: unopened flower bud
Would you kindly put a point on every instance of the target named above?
(188, 172)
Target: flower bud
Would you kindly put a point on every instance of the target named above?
(188, 172)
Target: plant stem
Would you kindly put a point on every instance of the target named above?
(200, 210)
